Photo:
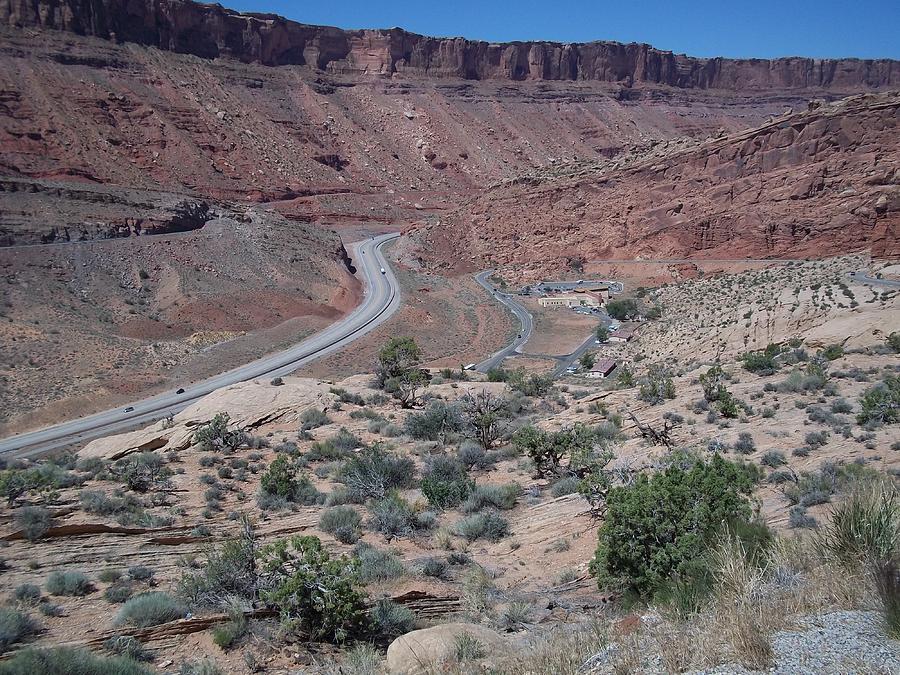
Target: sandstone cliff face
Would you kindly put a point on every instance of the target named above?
(211, 31)
(820, 183)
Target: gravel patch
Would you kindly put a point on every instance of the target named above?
(838, 642)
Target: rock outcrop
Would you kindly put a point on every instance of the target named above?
(211, 31)
(813, 184)
(421, 651)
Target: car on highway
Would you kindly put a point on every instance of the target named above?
(179, 391)
(129, 409)
(382, 271)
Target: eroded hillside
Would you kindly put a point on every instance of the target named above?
(808, 184)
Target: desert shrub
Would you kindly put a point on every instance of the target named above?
(34, 521)
(338, 446)
(128, 646)
(68, 583)
(761, 362)
(29, 594)
(832, 352)
(548, 449)
(881, 404)
(375, 471)
(14, 627)
(343, 522)
(118, 593)
(227, 571)
(215, 436)
(816, 439)
(799, 382)
(390, 619)
(497, 496)
(484, 525)
(204, 666)
(498, 374)
(140, 573)
(109, 575)
(313, 418)
(440, 421)
(347, 397)
(565, 486)
(486, 417)
(150, 609)
(392, 516)
(466, 647)
(71, 661)
(435, 567)
(841, 406)
(313, 592)
(773, 459)
(377, 565)
(141, 471)
(281, 480)
(799, 518)
(893, 341)
(228, 634)
(657, 386)
(534, 384)
(445, 482)
(744, 444)
(659, 528)
(470, 454)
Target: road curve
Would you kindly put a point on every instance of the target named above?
(864, 278)
(526, 323)
(381, 300)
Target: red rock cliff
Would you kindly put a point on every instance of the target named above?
(212, 31)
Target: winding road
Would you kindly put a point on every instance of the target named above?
(526, 323)
(382, 298)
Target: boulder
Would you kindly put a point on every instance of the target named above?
(416, 653)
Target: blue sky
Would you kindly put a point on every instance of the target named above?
(735, 28)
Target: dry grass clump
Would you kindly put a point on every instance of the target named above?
(561, 652)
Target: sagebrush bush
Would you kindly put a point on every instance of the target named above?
(344, 522)
(313, 418)
(70, 661)
(565, 486)
(374, 472)
(14, 627)
(744, 444)
(68, 583)
(377, 565)
(440, 421)
(483, 525)
(118, 593)
(150, 609)
(34, 521)
(128, 646)
(391, 619)
(445, 482)
(435, 567)
(392, 516)
(28, 593)
(140, 572)
(501, 497)
(282, 482)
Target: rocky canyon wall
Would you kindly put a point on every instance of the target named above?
(211, 31)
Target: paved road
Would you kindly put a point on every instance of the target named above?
(382, 298)
(864, 278)
(526, 323)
